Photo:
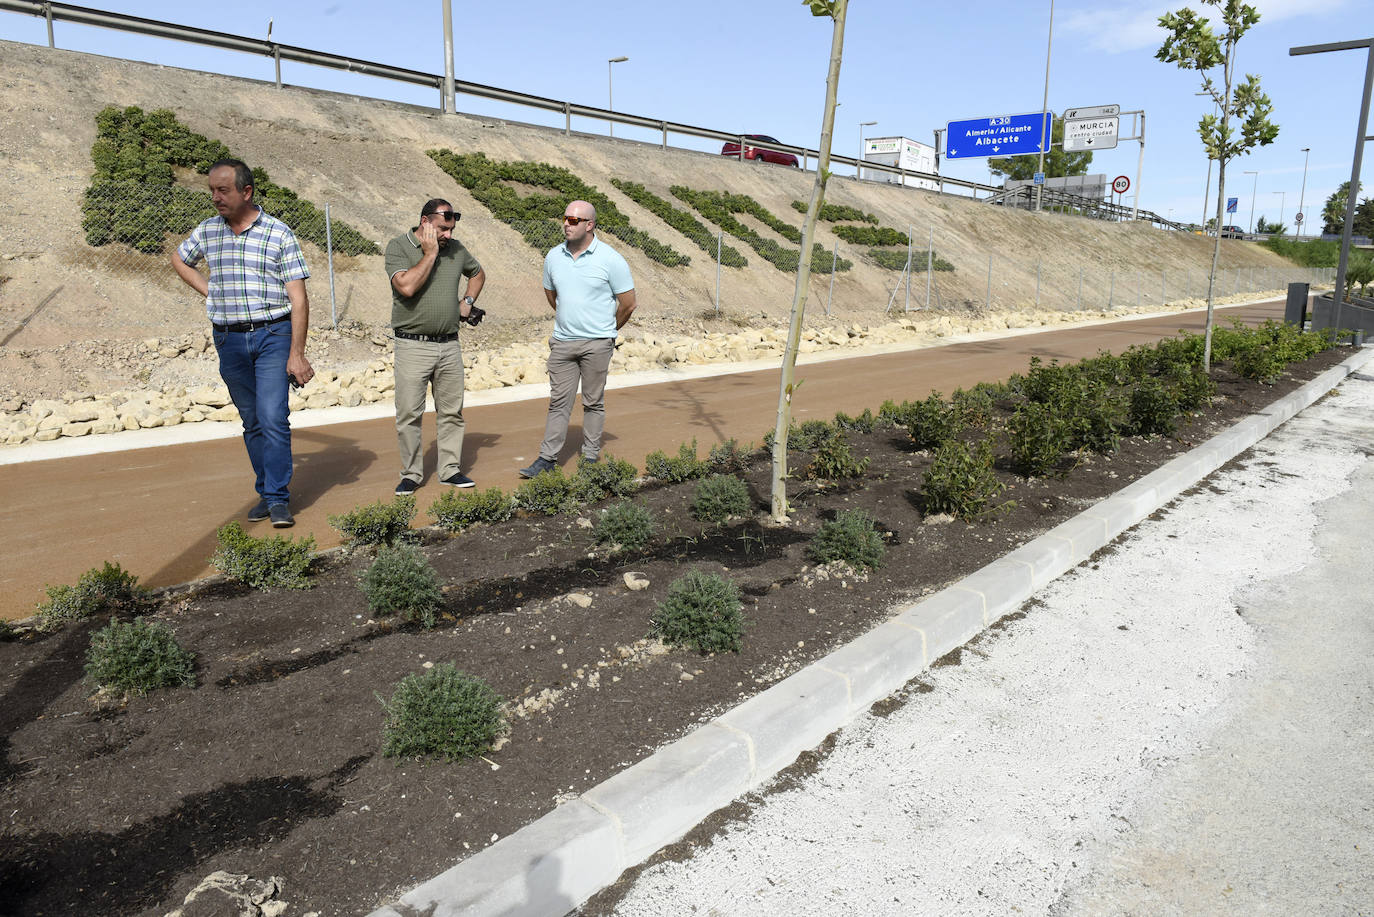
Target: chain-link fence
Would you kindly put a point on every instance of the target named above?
(133, 227)
(128, 232)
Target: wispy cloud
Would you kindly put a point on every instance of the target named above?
(1135, 26)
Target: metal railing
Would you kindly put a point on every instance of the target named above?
(65, 12)
(1023, 197)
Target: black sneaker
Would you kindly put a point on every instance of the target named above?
(540, 466)
(458, 479)
(407, 486)
(281, 516)
(259, 512)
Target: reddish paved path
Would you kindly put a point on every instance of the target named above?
(155, 511)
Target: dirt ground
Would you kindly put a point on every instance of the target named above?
(64, 305)
(271, 765)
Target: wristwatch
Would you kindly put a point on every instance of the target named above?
(469, 300)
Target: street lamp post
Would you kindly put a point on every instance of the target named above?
(1253, 186)
(1044, 106)
(1306, 151)
(862, 125)
(610, 93)
(1283, 196)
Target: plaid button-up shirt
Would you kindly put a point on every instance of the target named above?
(248, 270)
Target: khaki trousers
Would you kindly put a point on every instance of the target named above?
(422, 365)
(571, 362)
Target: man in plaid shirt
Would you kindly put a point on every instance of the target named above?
(255, 298)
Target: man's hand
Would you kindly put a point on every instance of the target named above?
(299, 368)
(428, 237)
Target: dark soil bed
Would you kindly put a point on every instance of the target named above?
(271, 765)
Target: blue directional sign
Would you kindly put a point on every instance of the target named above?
(1231, 203)
(1008, 135)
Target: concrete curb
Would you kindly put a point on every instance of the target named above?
(552, 865)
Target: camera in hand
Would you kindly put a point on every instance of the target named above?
(474, 316)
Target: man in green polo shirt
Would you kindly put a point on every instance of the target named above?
(426, 266)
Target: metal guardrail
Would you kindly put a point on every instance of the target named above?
(65, 12)
(1086, 206)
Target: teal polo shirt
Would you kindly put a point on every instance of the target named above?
(586, 288)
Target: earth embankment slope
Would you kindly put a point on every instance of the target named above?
(367, 159)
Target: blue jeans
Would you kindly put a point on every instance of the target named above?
(253, 366)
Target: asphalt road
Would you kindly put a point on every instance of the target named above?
(155, 511)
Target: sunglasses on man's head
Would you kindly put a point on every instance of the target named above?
(573, 221)
(453, 215)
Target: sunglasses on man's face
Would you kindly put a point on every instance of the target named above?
(447, 215)
(573, 221)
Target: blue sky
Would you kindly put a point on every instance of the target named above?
(760, 68)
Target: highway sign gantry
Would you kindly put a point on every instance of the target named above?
(1005, 135)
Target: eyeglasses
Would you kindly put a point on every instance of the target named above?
(573, 221)
(453, 215)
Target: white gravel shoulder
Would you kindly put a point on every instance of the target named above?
(1183, 729)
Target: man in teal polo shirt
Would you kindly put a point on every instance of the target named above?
(426, 267)
(589, 287)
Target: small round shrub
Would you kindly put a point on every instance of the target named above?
(97, 592)
(624, 523)
(973, 406)
(835, 461)
(377, 523)
(1153, 410)
(960, 480)
(263, 563)
(1038, 437)
(850, 537)
(1261, 363)
(1191, 387)
(810, 435)
(684, 467)
(549, 493)
(457, 509)
(719, 497)
(609, 477)
(864, 423)
(932, 421)
(402, 582)
(728, 457)
(1098, 423)
(140, 656)
(701, 611)
(441, 712)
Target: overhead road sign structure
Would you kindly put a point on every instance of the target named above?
(1006, 135)
(1091, 134)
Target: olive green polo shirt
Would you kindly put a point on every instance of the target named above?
(434, 307)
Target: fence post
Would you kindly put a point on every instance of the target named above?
(665, 133)
(988, 302)
(930, 266)
(834, 259)
(329, 248)
(1078, 303)
(720, 239)
(47, 14)
(1111, 291)
(1139, 276)
(1163, 287)
(567, 118)
(1037, 283)
(910, 230)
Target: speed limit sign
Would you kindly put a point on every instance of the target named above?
(1298, 218)
(1121, 184)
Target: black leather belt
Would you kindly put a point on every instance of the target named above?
(427, 338)
(252, 326)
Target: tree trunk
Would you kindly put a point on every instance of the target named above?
(1221, 201)
(789, 360)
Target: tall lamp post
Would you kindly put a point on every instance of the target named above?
(862, 125)
(1044, 107)
(610, 89)
(1283, 196)
(1306, 152)
(1253, 186)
